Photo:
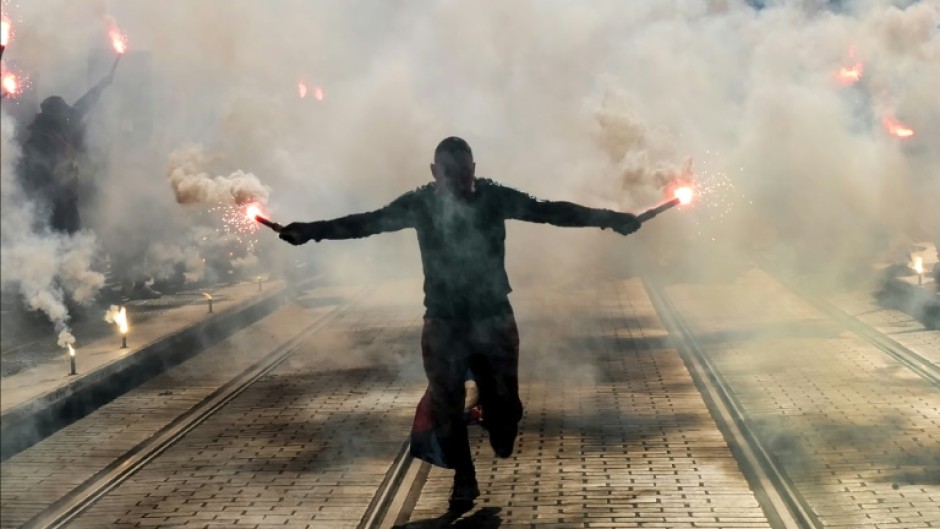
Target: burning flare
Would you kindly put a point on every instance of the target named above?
(849, 75)
(6, 30)
(118, 316)
(302, 89)
(254, 210)
(71, 350)
(318, 93)
(10, 84)
(919, 264)
(684, 195)
(118, 38)
(896, 128)
(207, 295)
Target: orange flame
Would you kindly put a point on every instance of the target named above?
(118, 40)
(6, 30)
(117, 316)
(684, 194)
(71, 350)
(254, 210)
(301, 89)
(10, 84)
(896, 128)
(849, 75)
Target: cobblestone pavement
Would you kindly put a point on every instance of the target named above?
(615, 433)
(305, 446)
(857, 432)
(33, 479)
(897, 325)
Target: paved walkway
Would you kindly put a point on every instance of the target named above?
(857, 432)
(149, 322)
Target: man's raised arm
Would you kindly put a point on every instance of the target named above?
(396, 216)
(521, 206)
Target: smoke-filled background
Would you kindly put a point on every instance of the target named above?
(602, 103)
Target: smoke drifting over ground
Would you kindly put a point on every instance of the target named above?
(601, 103)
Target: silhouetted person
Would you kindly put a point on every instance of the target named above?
(49, 166)
(468, 323)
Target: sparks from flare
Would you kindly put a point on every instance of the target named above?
(237, 224)
(10, 84)
(118, 40)
(896, 128)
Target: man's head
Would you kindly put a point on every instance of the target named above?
(55, 106)
(453, 167)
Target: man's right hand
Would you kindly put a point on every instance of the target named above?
(296, 233)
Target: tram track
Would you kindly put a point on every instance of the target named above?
(79, 499)
(781, 501)
(866, 332)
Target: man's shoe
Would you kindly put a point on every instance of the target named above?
(502, 439)
(464, 493)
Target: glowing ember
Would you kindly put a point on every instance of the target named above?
(10, 84)
(6, 30)
(684, 194)
(919, 264)
(318, 93)
(896, 128)
(302, 89)
(238, 225)
(71, 350)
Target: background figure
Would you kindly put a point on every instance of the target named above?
(53, 153)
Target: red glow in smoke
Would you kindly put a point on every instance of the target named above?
(118, 38)
(10, 84)
(302, 89)
(318, 93)
(896, 128)
(849, 75)
(253, 210)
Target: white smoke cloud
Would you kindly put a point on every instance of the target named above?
(45, 268)
(186, 171)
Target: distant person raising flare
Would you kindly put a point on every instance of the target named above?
(49, 167)
(468, 324)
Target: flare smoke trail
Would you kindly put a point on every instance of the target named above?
(186, 171)
(44, 267)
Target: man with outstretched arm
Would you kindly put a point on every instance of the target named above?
(468, 324)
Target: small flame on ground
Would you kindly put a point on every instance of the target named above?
(118, 316)
(207, 295)
(302, 89)
(919, 264)
(684, 194)
(6, 30)
(71, 350)
(896, 128)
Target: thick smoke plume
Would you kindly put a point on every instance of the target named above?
(602, 104)
(191, 184)
(45, 268)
